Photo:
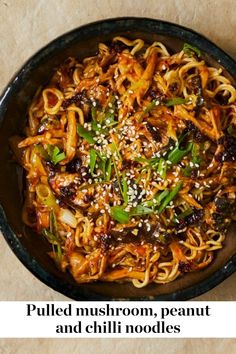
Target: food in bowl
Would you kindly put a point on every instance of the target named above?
(130, 163)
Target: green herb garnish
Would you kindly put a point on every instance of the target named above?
(195, 154)
(175, 101)
(151, 105)
(109, 117)
(148, 163)
(84, 133)
(94, 112)
(95, 126)
(92, 160)
(161, 196)
(117, 175)
(177, 154)
(114, 149)
(104, 163)
(55, 154)
(195, 160)
(190, 50)
(184, 214)
(42, 152)
(50, 236)
(119, 214)
(170, 196)
(53, 222)
(187, 171)
(108, 168)
(124, 189)
(156, 200)
(140, 210)
(162, 167)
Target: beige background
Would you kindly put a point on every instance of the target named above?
(27, 25)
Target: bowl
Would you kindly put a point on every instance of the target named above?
(28, 246)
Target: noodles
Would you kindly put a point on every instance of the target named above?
(130, 158)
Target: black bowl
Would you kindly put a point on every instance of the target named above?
(32, 249)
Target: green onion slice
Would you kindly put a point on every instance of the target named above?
(108, 168)
(84, 133)
(185, 213)
(55, 154)
(140, 210)
(190, 50)
(92, 160)
(42, 152)
(175, 101)
(177, 154)
(170, 196)
(162, 167)
(125, 189)
(119, 214)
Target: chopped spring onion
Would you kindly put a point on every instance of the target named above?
(102, 166)
(45, 195)
(195, 160)
(170, 196)
(140, 210)
(119, 214)
(187, 171)
(117, 175)
(105, 164)
(52, 238)
(95, 127)
(175, 101)
(94, 112)
(185, 213)
(124, 189)
(109, 117)
(92, 160)
(84, 133)
(190, 50)
(42, 152)
(67, 217)
(167, 102)
(177, 154)
(161, 196)
(55, 154)
(151, 105)
(162, 168)
(108, 170)
(149, 163)
(156, 201)
(115, 149)
(195, 154)
(53, 222)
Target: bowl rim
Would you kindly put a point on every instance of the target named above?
(160, 27)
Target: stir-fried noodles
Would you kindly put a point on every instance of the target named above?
(130, 161)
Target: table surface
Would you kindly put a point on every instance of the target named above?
(26, 26)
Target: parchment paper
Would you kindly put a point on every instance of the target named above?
(26, 26)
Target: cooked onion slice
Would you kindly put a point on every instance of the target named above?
(67, 217)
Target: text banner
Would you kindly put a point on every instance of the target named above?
(118, 319)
